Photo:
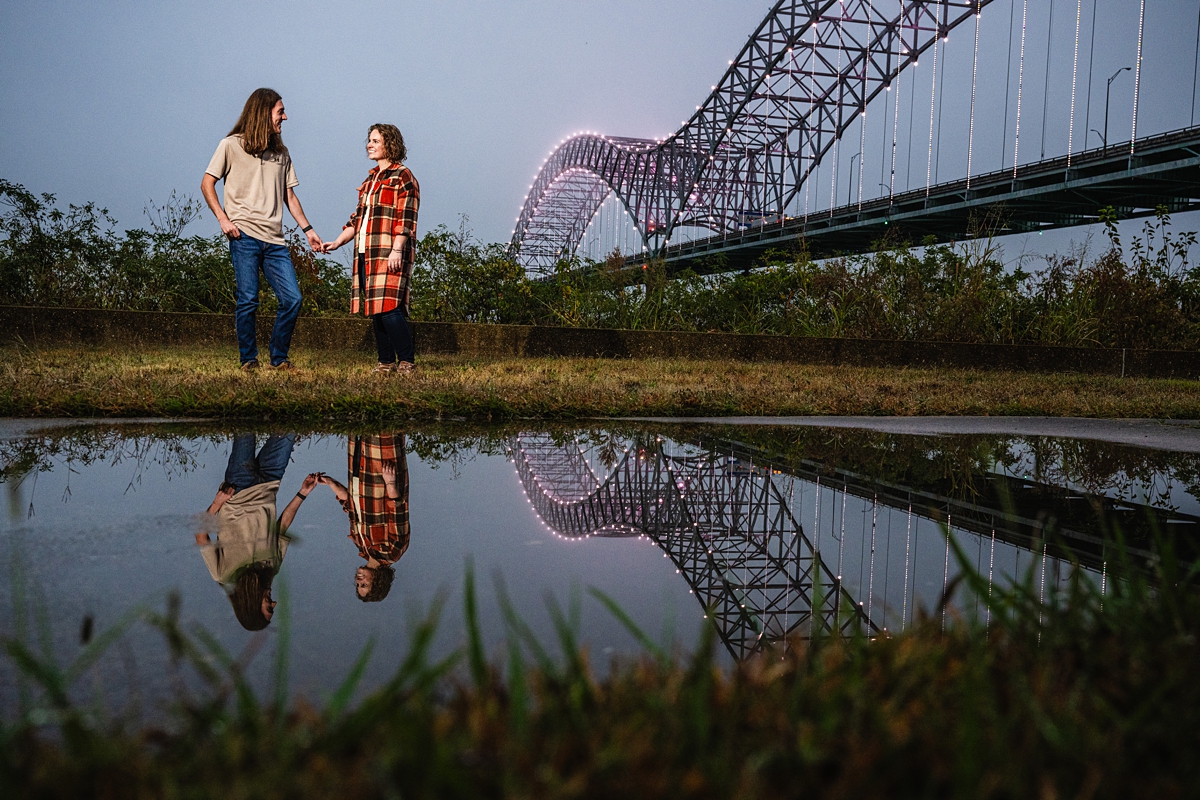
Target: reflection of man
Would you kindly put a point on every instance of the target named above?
(376, 501)
(250, 543)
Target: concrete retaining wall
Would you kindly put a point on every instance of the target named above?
(60, 326)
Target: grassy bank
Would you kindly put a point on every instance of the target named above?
(339, 386)
(1087, 695)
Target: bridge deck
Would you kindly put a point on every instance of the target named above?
(1164, 170)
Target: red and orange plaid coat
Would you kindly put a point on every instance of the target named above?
(391, 210)
(379, 525)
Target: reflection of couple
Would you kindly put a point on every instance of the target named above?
(251, 542)
(260, 180)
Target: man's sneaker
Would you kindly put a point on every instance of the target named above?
(285, 366)
(405, 367)
(382, 368)
(250, 365)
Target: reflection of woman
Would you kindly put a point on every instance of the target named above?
(250, 543)
(384, 229)
(376, 501)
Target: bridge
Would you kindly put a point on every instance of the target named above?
(743, 175)
(727, 515)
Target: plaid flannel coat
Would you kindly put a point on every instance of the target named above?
(390, 210)
(379, 526)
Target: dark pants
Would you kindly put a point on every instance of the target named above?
(249, 257)
(393, 337)
(247, 469)
(393, 334)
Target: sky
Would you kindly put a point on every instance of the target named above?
(123, 102)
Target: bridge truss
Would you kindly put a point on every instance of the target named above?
(722, 521)
(810, 68)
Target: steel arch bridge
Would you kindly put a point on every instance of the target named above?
(810, 68)
(724, 523)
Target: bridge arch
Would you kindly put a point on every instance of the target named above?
(723, 523)
(808, 70)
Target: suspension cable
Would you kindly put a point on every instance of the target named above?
(1046, 84)
(896, 104)
(907, 559)
(1137, 75)
(937, 160)
(812, 90)
(932, 106)
(974, 73)
(862, 120)
(1020, 87)
(871, 579)
(991, 567)
(1087, 115)
(1195, 68)
(1012, 12)
(1074, 77)
(837, 134)
(946, 573)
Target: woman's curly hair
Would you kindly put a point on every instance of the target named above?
(393, 141)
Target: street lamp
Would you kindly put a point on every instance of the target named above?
(850, 188)
(1107, 89)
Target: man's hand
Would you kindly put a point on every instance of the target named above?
(229, 229)
(315, 242)
(310, 481)
(226, 491)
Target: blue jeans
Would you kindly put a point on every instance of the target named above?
(249, 255)
(246, 469)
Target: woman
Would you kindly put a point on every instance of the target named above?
(384, 229)
(376, 501)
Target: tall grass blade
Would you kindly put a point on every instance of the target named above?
(345, 691)
(475, 655)
(614, 608)
(282, 650)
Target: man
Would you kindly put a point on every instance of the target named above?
(251, 543)
(259, 181)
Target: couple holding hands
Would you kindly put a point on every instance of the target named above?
(260, 180)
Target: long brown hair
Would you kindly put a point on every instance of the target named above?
(254, 125)
(250, 585)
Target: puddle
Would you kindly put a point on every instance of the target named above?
(751, 525)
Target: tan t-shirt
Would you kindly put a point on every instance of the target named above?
(246, 533)
(255, 188)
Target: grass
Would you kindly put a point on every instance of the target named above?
(1087, 695)
(338, 386)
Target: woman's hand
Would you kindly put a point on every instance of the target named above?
(395, 265)
(388, 468)
(329, 247)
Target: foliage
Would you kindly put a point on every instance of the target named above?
(1089, 694)
(1144, 295)
(1148, 297)
(74, 258)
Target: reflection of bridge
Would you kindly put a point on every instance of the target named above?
(726, 515)
(724, 524)
(744, 172)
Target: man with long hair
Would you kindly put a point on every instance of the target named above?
(259, 182)
(251, 541)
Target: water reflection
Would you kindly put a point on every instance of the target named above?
(772, 533)
(375, 499)
(729, 516)
(250, 541)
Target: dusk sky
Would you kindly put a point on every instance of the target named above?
(123, 102)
